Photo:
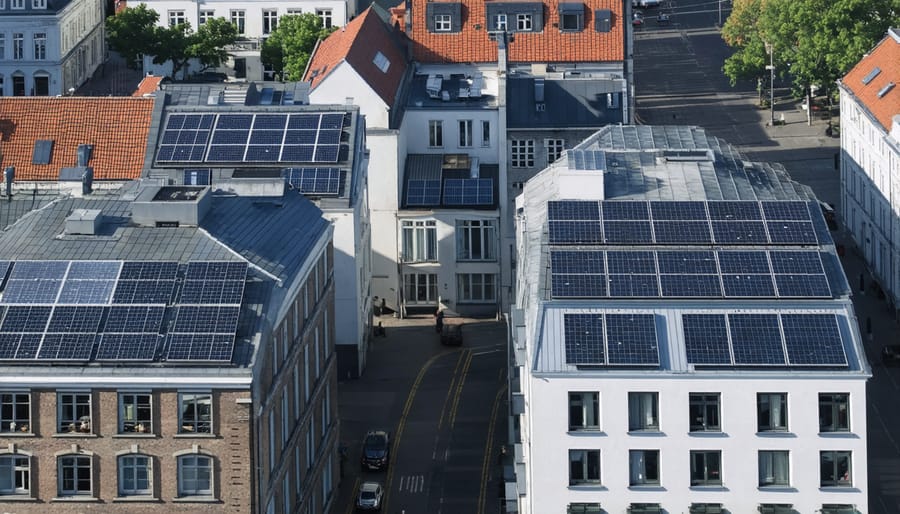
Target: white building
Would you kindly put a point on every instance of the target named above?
(683, 337)
(870, 159)
(49, 47)
(254, 21)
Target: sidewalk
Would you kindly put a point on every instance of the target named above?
(112, 78)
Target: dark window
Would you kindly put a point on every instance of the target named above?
(602, 20)
(834, 412)
(772, 412)
(584, 467)
(835, 466)
(704, 408)
(706, 467)
(571, 16)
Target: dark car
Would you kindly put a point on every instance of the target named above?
(637, 19)
(376, 451)
(890, 355)
(451, 335)
(662, 19)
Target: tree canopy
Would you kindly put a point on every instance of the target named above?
(132, 32)
(288, 49)
(814, 41)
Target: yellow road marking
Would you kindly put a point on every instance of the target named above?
(488, 449)
(459, 386)
(450, 389)
(352, 504)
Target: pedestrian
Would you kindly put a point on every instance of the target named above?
(862, 283)
(439, 321)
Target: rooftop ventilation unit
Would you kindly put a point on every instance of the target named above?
(83, 221)
(433, 85)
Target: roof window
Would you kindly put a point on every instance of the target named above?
(871, 76)
(571, 16)
(443, 17)
(886, 89)
(602, 20)
(381, 62)
(42, 153)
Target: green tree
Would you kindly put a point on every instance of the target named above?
(132, 32)
(208, 44)
(172, 44)
(287, 50)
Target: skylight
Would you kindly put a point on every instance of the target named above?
(382, 62)
(871, 76)
(885, 89)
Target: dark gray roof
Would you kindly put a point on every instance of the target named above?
(567, 103)
(21, 203)
(440, 167)
(418, 95)
(283, 93)
(53, 7)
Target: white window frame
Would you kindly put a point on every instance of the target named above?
(419, 241)
(128, 465)
(774, 468)
(584, 411)
(294, 12)
(705, 411)
(476, 240)
(15, 410)
(501, 22)
(190, 467)
(638, 463)
(524, 22)
(18, 41)
(75, 464)
(706, 467)
(840, 479)
(205, 15)
(435, 134)
(443, 23)
(16, 472)
(239, 18)
(774, 409)
(584, 458)
(40, 45)
(643, 411)
(17, 4)
(80, 404)
(476, 287)
(140, 419)
(176, 17)
(555, 148)
(327, 17)
(413, 281)
(466, 133)
(522, 154)
(197, 425)
(834, 412)
(38, 4)
(269, 20)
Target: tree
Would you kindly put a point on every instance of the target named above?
(287, 50)
(741, 32)
(208, 44)
(172, 44)
(132, 33)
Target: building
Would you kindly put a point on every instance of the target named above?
(254, 23)
(49, 47)
(253, 134)
(683, 338)
(870, 159)
(163, 349)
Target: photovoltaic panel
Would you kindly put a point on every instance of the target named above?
(94, 270)
(748, 286)
(631, 262)
(575, 232)
(744, 262)
(734, 211)
(563, 261)
(678, 211)
(321, 181)
(206, 319)
(785, 211)
(625, 210)
(802, 286)
(689, 262)
(631, 339)
(627, 232)
(332, 121)
(706, 339)
(80, 319)
(31, 291)
(563, 285)
(200, 347)
(143, 291)
(212, 292)
(263, 153)
(26, 318)
(756, 339)
(326, 153)
(216, 270)
(739, 232)
(19, 346)
(96, 292)
(584, 338)
(127, 347)
(686, 286)
(234, 121)
(573, 210)
(39, 270)
(792, 232)
(682, 232)
(633, 286)
(134, 319)
(66, 347)
(270, 121)
(423, 192)
(304, 121)
(796, 262)
(478, 191)
(149, 270)
(813, 340)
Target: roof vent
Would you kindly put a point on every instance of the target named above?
(445, 96)
(886, 89)
(433, 85)
(83, 222)
(171, 206)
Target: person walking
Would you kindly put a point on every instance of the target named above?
(439, 321)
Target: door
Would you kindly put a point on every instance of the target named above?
(18, 86)
(41, 86)
(240, 68)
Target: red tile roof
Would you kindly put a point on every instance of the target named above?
(149, 84)
(472, 44)
(357, 44)
(116, 126)
(886, 56)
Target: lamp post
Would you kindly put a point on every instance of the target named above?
(770, 49)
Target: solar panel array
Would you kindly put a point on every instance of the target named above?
(316, 181)
(763, 340)
(249, 137)
(114, 311)
(687, 274)
(468, 191)
(574, 222)
(610, 339)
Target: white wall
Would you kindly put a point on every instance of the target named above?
(344, 82)
(547, 414)
(384, 192)
(415, 124)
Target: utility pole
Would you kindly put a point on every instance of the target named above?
(720, 13)
(770, 49)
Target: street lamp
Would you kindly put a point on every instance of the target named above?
(770, 49)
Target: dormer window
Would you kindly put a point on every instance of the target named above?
(442, 23)
(500, 22)
(571, 16)
(17, 4)
(39, 4)
(524, 22)
(445, 17)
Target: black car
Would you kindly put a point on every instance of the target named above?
(376, 451)
(890, 355)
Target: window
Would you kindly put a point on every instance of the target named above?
(442, 23)
(15, 412)
(644, 467)
(238, 18)
(834, 412)
(704, 411)
(643, 411)
(523, 22)
(205, 16)
(419, 241)
(40, 46)
(554, 148)
(74, 475)
(706, 467)
(18, 40)
(477, 287)
(135, 413)
(2, 43)
(135, 475)
(381, 62)
(774, 468)
(15, 474)
(73, 412)
(570, 21)
(195, 410)
(584, 467)
(270, 20)
(772, 412)
(500, 22)
(835, 467)
(522, 153)
(465, 133)
(39, 4)
(584, 411)
(176, 18)
(420, 287)
(475, 240)
(435, 133)
(296, 379)
(485, 133)
(17, 4)
(583, 508)
(325, 16)
(285, 418)
(295, 12)
(195, 475)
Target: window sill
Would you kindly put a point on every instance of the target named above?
(75, 499)
(136, 435)
(196, 499)
(648, 487)
(707, 433)
(75, 435)
(136, 499)
(588, 486)
(777, 489)
(650, 432)
(846, 434)
(190, 435)
(776, 433)
(17, 434)
(838, 489)
(586, 431)
(709, 487)
(17, 498)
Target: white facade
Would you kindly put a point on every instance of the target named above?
(49, 53)
(344, 85)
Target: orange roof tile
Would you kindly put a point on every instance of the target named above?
(886, 56)
(149, 84)
(472, 44)
(116, 126)
(357, 43)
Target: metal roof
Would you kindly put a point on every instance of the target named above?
(567, 103)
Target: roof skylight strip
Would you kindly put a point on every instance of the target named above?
(871, 76)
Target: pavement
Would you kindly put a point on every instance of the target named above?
(112, 78)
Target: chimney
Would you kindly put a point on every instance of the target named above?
(9, 175)
(87, 181)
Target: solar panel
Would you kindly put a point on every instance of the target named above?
(625, 210)
(143, 291)
(748, 286)
(225, 153)
(127, 347)
(631, 339)
(678, 211)
(678, 286)
(744, 262)
(39, 270)
(134, 319)
(94, 270)
(26, 318)
(633, 286)
(739, 232)
(683, 261)
(564, 261)
(792, 232)
(185, 137)
(734, 211)
(813, 340)
(31, 291)
(477, 191)
(631, 262)
(270, 121)
(786, 211)
(216, 270)
(200, 347)
(563, 285)
(756, 339)
(304, 121)
(297, 153)
(573, 210)
(19, 346)
(66, 347)
(584, 338)
(332, 121)
(706, 339)
(96, 292)
(627, 232)
(81, 319)
(206, 319)
(326, 153)
(423, 192)
(234, 121)
(301, 137)
(321, 181)
(575, 232)
(149, 270)
(212, 292)
(682, 232)
(802, 286)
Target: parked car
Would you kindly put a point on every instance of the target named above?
(376, 451)
(451, 334)
(890, 355)
(662, 19)
(370, 494)
(637, 19)
(645, 3)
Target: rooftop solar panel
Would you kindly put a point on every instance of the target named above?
(134, 319)
(40, 270)
(573, 210)
(792, 232)
(583, 335)
(304, 121)
(802, 286)
(26, 318)
(687, 286)
(143, 292)
(80, 319)
(200, 347)
(206, 319)
(813, 340)
(66, 347)
(423, 192)
(625, 210)
(631, 339)
(297, 153)
(796, 262)
(96, 292)
(575, 232)
(785, 211)
(332, 121)
(627, 232)
(631, 262)
(31, 291)
(748, 286)
(739, 232)
(478, 191)
(321, 181)
(234, 121)
(95, 270)
(706, 339)
(734, 211)
(270, 121)
(127, 347)
(756, 339)
(678, 211)
(744, 262)
(684, 261)
(633, 286)
(564, 285)
(577, 262)
(681, 232)
(149, 270)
